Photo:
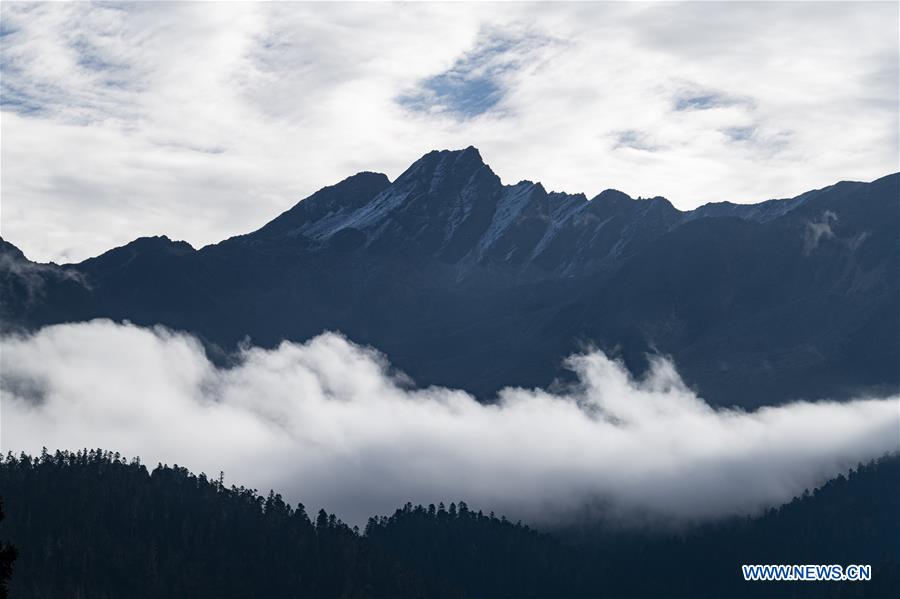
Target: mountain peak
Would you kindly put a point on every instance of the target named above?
(468, 153)
(439, 165)
(143, 248)
(611, 195)
(158, 243)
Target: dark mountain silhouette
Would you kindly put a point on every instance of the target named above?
(467, 282)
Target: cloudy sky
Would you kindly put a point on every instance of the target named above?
(205, 120)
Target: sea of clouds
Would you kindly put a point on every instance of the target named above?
(328, 423)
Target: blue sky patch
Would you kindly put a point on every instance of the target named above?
(634, 139)
(474, 83)
(705, 99)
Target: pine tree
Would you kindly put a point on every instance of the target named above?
(7, 557)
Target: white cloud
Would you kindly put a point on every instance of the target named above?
(818, 230)
(326, 424)
(202, 120)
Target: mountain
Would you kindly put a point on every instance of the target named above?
(464, 281)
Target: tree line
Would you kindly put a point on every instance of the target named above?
(92, 524)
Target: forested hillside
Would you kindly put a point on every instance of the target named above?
(91, 524)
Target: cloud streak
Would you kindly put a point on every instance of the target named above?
(329, 424)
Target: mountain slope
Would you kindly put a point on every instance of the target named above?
(464, 281)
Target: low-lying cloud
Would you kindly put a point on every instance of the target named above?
(326, 423)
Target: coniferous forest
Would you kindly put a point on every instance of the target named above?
(93, 524)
